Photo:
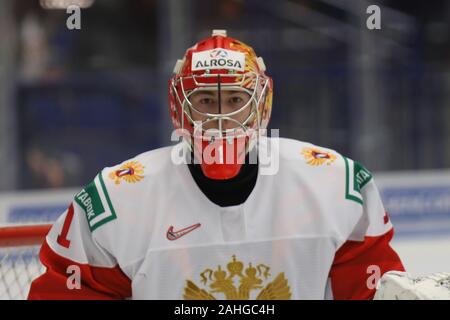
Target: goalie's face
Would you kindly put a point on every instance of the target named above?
(223, 110)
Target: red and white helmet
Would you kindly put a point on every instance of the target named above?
(220, 63)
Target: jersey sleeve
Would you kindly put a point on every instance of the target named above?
(366, 255)
(77, 266)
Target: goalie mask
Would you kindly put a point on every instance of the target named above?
(220, 98)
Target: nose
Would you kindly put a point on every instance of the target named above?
(222, 108)
(223, 123)
(227, 124)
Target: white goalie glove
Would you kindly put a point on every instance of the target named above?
(396, 285)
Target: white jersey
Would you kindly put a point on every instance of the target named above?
(316, 229)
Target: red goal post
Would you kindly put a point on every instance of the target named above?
(19, 260)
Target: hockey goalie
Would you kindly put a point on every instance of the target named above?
(226, 213)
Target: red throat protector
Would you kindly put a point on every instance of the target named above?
(222, 158)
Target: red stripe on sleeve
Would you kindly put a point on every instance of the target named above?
(96, 282)
(349, 272)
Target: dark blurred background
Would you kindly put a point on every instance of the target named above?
(75, 101)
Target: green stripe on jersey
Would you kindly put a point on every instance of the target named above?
(90, 200)
(352, 190)
(113, 215)
(362, 175)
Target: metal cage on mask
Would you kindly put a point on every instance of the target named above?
(229, 145)
(252, 84)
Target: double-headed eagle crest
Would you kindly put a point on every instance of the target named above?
(238, 283)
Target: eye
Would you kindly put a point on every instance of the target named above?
(205, 101)
(236, 100)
